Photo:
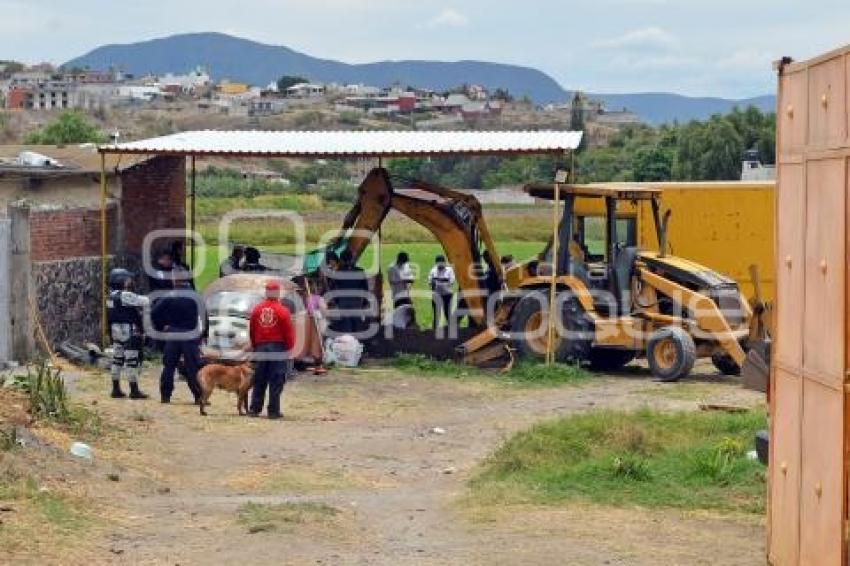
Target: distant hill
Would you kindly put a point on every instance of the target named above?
(259, 64)
(659, 107)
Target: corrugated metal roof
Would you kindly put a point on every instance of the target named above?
(350, 143)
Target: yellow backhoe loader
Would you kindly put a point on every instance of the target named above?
(613, 302)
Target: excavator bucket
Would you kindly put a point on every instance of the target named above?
(755, 371)
(487, 349)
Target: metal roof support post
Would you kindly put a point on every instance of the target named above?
(192, 217)
(104, 250)
(550, 340)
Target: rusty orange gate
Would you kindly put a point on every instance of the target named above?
(809, 417)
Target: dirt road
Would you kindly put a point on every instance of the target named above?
(391, 489)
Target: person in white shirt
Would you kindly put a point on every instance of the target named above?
(441, 279)
(401, 278)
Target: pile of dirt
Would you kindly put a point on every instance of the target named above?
(415, 341)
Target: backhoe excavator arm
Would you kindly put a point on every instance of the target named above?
(454, 218)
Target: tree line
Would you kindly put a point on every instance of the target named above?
(709, 150)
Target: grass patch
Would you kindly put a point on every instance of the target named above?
(258, 517)
(523, 373)
(646, 458)
(40, 516)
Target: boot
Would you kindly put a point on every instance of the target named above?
(116, 390)
(135, 392)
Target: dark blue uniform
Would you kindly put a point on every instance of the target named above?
(178, 314)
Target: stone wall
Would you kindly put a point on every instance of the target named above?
(69, 297)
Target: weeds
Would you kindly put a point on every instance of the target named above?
(523, 373)
(631, 467)
(48, 398)
(686, 460)
(8, 439)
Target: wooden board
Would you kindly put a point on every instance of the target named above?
(784, 491)
(827, 103)
(823, 336)
(792, 113)
(791, 215)
(822, 475)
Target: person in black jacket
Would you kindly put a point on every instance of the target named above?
(179, 314)
(349, 291)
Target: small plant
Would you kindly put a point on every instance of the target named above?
(8, 439)
(631, 467)
(48, 398)
(720, 463)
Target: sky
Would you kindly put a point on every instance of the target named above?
(693, 47)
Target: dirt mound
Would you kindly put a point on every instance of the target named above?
(415, 341)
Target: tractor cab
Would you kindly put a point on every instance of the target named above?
(597, 237)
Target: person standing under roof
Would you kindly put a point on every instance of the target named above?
(179, 314)
(272, 338)
(401, 278)
(349, 295)
(123, 311)
(441, 280)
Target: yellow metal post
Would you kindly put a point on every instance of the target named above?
(104, 250)
(550, 340)
(192, 218)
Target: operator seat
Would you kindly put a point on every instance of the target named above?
(622, 270)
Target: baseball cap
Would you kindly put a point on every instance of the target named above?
(272, 286)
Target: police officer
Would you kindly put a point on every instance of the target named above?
(179, 314)
(123, 311)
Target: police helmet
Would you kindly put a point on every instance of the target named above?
(118, 279)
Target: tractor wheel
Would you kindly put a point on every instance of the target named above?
(671, 353)
(609, 359)
(529, 326)
(725, 364)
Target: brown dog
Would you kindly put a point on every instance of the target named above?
(237, 379)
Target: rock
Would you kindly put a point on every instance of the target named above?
(438, 430)
(163, 490)
(113, 477)
(450, 470)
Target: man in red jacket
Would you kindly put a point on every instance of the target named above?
(272, 340)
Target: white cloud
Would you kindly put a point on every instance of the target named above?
(645, 38)
(449, 18)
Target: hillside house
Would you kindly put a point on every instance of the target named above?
(306, 90)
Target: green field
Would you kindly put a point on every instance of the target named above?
(422, 256)
(519, 231)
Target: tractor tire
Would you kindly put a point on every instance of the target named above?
(671, 353)
(609, 359)
(725, 364)
(528, 324)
